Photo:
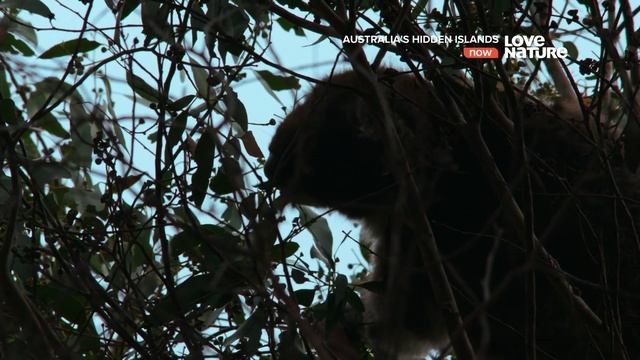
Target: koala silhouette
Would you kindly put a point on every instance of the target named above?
(330, 152)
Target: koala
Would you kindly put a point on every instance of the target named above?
(330, 151)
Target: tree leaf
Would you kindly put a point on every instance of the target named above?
(69, 305)
(277, 82)
(236, 109)
(340, 286)
(375, 286)
(220, 184)
(205, 151)
(180, 103)
(43, 172)
(5, 91)
(142, 88)
(123, 183)
(298, 276)
(284, 250)
(154, 21)
(33, 6)
(13, 45)
(178, 125)
(70, 47)
(572, 49)
(23, 29)
(8, 111)
(82, 199)
(250, 331)
(50, 84)
(233, 171)
(305, 296)
(287, 25)
(129, 6)
(251, 145)
(294, 4)
(200, 78)
(354, 300)
(52, 125)
(232, 216)
(189, 293)
(322, 237)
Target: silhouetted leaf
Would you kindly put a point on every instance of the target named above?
(220, 184)
(4, 85)
(81, 199)
(67, 304)
(373, 286)
(70, 47)
(284, 250)
(236, 109)
(180, 103)
(354, 300)
(33, 6)
(305, 296)
(13, 45)
(572, 49)
(200, 76)
(298, 276)
(123, 183)
(178, 124)
(43, 172)
(129, 6)
(322, 237)
(142, 88)
(250, 331)
(278, 82)
(203, 156)
(8, 111)
(290, 346)
(287, 25)
(154, 21)
(52, 125)
(251, 145)
(233, 171)
(197, 289)
(340, 287)
(23, 29)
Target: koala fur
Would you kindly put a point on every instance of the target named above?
(330, 152)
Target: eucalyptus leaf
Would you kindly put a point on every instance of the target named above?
(141, 87)
(69, 48)
(284, 250)
(204, 154)
(178, 125)
(154, 21)
(33, 6)
(322, 237)
(250, 331)
(14, 45)
(278, 82)
(129, 6)
(8, 111)
(200, 76)
(236, 109)
(572, 49)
